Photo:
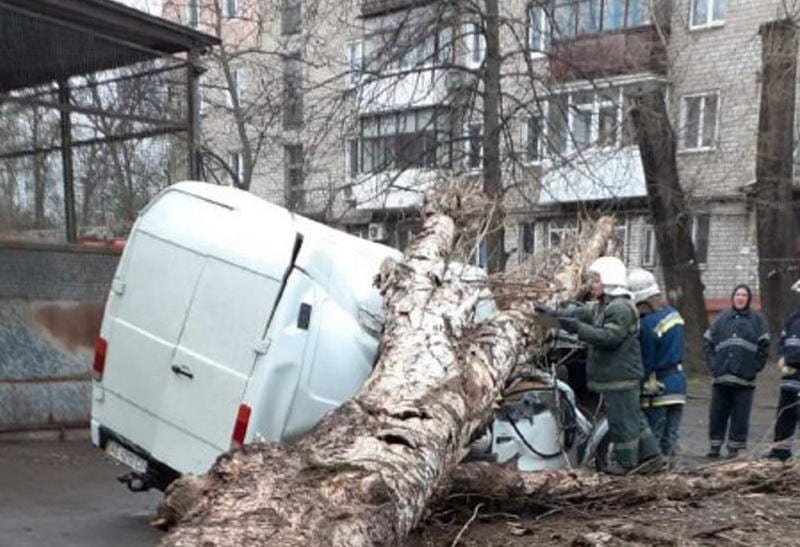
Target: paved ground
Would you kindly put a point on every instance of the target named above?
(65, 493)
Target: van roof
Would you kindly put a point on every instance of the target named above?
(237, 227)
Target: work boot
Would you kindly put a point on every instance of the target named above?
(713, 453)
(781, 454)
(651, 465)
(614, 468)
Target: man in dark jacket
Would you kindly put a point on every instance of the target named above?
(788, 402)
(609, 326)
(737, 345)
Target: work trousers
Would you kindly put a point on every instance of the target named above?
(627, 428)
(785, 425)
(730, 413)
(665, 423)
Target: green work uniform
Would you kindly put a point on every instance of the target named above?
(614, 369)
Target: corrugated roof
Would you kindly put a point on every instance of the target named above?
(47, 40)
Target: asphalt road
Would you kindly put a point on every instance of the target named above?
(65, 494)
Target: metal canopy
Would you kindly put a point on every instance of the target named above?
(43, 41)
(47, 41)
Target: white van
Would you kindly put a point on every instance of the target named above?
(212, 334)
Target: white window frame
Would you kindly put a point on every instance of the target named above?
(693, 227)
(623, 227)
(474, 45)
(468, 147)
(481, 253)
(561, 227)
(521, 228)
(354, 61)
(598, 103)
(684, 112)
(193, 13)
(650, 259)
(710, 22)
(238, 77)
(236, 164)
(349, 162)
(537, 12)
(237, 9)
(540, 147)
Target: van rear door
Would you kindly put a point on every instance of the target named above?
(184, 321)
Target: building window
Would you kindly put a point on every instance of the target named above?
(580, 17)
(193, 13)
(406, 139)
(538, 28)
(231, 8)
(291, 16)
(293, 159)
(699, 115)
(526, 238)
(389, 50)
(583, 119)
(237, 87)
(354, 56)
(707, 13)
(351, 158)
(481, 255)
(476, 44)
(701, 227)
(620, 241)
(649, 251)
(473, 153)
(559, 230)
(236, 167)
(293, 91)
(532, 138)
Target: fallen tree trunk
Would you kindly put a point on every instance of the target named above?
(514, 490)
(365, 474)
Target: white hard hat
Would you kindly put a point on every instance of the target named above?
(642, 284)
(612, 274)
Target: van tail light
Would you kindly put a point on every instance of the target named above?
(99, 364)
(240, 427)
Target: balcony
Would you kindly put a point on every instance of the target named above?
(631, 50)
(372, 8)
(596, 174)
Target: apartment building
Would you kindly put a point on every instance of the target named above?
(378, 99)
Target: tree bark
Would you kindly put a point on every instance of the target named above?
(492, 171)
(366, 473)
(515, 490)
(774, 165)
(671, 219)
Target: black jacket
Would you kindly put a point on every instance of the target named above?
(789, 349)
(737, 346)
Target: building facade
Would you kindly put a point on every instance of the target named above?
(359, 106)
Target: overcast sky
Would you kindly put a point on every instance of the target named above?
(150, 6)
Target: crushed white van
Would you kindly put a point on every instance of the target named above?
(213, 330)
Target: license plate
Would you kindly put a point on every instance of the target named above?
(123, 455)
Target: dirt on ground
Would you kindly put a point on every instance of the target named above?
(764, 514)
(731, 518)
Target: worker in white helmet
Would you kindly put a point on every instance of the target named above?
(661, 335)
(609, 326)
